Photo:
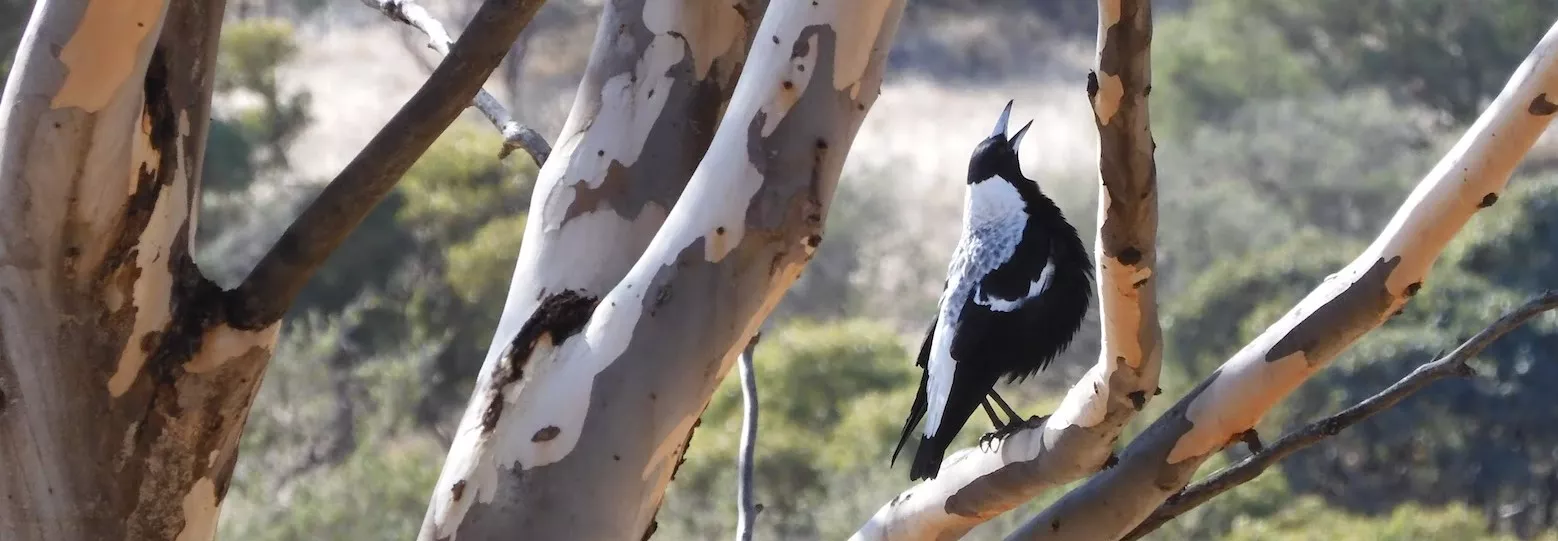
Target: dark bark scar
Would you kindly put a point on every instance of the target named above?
(560, 316)
(546, 434)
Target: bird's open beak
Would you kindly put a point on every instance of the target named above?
(1020, 133)
(1006, 117)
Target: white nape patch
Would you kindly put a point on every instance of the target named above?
(1035, 288)
(992, 203)
(993, 222)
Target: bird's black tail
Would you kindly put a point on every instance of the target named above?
(927, 458)
(915, 413)
(964, 399)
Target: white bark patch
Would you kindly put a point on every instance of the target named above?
(920, 513)
(863, 19)
(709, 31)
(793, 84)
(99, 58)
(153, 250)
(470, 454)
(1109, 15)
(1107, 102)
(1086, 403)
(200, 507)
(223, 343)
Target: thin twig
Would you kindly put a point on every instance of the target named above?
(1252, 466)
(270, 288)
(515, 135)
(749, 510)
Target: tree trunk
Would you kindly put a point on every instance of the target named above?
(1347, 305)
(606, 357)
(125, 375)
(121, 393)
(978, 484)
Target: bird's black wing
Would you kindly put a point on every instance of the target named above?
(918, 409)
(1004, 304)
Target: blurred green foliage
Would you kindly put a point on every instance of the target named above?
(1447, 55)
(251, 54)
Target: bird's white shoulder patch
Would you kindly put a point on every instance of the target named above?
(1035, 288)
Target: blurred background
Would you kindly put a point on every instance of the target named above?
(1288, 130)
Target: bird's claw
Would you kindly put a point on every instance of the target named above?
(1001, 433)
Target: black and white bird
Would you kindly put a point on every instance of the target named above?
(1017, 290)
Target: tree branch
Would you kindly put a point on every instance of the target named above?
(748, 510)
(515, 135)
(1347, 305)
(980, 483)
(270, 288)
(1253, 466)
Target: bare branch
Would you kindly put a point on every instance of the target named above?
(980, 483)
(748, 510)
(265, 294)
(1347, 305)
(515, 135)
(1246, 470)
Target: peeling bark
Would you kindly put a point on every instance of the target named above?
(659, 76)
(980, 483)
(624, 393)
(125, 391)
(125, 375)
(1345, 306)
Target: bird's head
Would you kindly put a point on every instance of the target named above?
(996, 156)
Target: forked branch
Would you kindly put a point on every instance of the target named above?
(270, 288)
(1246, 470)
(515, 135)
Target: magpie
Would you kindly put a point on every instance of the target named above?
(1017, 289)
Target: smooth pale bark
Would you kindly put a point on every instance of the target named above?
(980, 483)
(576, 430)
(660, 74)
(1343, 308)
(121, 393)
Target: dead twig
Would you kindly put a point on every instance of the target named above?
(1246, 470)
(748, 510)
(515, 135)
(270, 288)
